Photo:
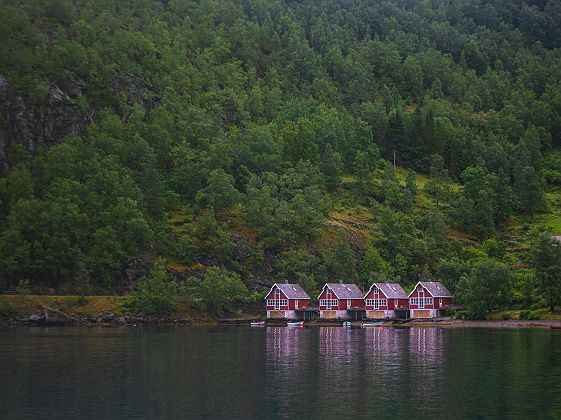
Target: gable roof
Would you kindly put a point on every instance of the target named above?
(435, 288)
(290, 290)
(344, 290)
(390, 290)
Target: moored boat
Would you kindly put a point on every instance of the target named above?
(372, 324)
(295, 324)
(347, 323)
(257, 323)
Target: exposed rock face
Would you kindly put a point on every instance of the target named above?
(31, 125)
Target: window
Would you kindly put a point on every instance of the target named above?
(273, 302)
(376, 302)
(328, 302)
(417, 301)
(375, 290)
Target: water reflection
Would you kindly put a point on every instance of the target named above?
(279, 372)
(287, 359)
(427, 364)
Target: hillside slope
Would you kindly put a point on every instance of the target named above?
(310, 141)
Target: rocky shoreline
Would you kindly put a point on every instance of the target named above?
(50, 317)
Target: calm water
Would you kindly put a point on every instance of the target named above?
(238, 372)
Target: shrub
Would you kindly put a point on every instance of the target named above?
(155, 294)
(23, 287)
(529, 315)
(7, 309)
(221, 287)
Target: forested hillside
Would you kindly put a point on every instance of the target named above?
(257, 141)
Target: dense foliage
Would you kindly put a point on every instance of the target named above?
(235, 133)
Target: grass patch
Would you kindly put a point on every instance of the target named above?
(525, 314)
(71, 305)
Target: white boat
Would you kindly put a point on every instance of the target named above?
(372, 324)
(295, 324)
(257, 323)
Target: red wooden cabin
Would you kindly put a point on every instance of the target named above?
(339, 300)
(286, 301)
(428, 298)
(386, 300)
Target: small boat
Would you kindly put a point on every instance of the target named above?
(347, 324)
(257, 323)
(295, 324)
(372, 324)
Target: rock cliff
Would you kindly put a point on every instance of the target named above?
(31, 125)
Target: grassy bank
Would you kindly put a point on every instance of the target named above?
(86, 306)
(90, 307)
(93, 306)
(522, 314)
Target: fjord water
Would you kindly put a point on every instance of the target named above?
(242, 372)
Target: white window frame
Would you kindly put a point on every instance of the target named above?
(329, 302)
(376, 303)
(281, 302)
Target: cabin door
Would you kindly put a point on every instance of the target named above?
(421, 299)
(328, 296)
(277, 299)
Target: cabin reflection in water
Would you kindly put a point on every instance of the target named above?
(428, 361)
(284, 345)
(289, 354)
(340, 357)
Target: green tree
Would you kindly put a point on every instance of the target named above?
(547, 262)
(475, 207)
(331, 166)
(529, 191)
(373, 265)
(220, 192)
(155, 294)
(221, 287)
(362, 168)
(486, 287)
(341, 260)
